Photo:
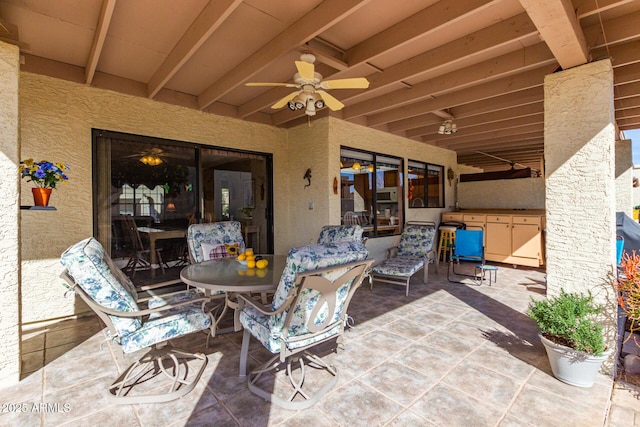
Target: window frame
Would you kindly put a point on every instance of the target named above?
(426, 165)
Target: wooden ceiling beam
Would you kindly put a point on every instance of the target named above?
(616, 30)
(507, 101)
(626, 103)
(631, 112)
(627, 74)
(620, 54)
(531, 57)
(326, 14)
(104, 20)
(417, 25)
(587, 8)
(430, 133)
(496, 117)
(207, 22)
(630, 90)
(560, 29)
(510, 84)
(534, 141)
(449, 141)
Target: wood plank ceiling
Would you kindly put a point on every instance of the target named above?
(480, 62)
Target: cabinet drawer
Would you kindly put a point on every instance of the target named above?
(474, 217)
(532, 220)
(452, 217)
(504, 219)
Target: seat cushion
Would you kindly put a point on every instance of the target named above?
(256, 322)
(94, 271)
(404, 266)
(166, 325)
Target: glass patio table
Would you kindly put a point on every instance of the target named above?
(232, 277)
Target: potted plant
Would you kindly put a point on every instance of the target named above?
(627, 287)
(571, 335)
(45, 175)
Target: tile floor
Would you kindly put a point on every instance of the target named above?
(447, 355)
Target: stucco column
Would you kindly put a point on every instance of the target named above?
(624, 177)
(579, 146)
(9, 216)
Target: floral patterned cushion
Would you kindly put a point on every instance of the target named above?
(268, 329)
(216, 233)
(340, 233)
(93, 270)
(399, 266)
(164, 326)
(416, 240)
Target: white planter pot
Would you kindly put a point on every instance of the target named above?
(571, 366)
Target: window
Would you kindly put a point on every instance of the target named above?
(371, 191)
(426, 185)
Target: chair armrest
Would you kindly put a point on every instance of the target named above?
(244, 300)
(392, 251)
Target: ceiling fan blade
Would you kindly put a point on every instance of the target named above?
(285, 100)
(331, 101)
(305, 69)
(271, 84)
(354, 83)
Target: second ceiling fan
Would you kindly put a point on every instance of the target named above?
(311, 95)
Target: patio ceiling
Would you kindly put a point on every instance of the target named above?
(481, 62)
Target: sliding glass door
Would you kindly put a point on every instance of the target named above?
(168, 185)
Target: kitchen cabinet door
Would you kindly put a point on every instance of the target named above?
(499, 238)
(526, 240)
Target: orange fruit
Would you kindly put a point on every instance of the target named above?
(242, 257)
(251, 258)
(262, 263)
(248, 252)
(251, 263)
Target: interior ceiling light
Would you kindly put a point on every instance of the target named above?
(356, 166)
(151, 159)
(447, 127)
(370, 168)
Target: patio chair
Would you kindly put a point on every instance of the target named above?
(213, 240)
(340, 233)
(414, 252)
(308, 308)
(468, 246)
(140, 255)
(93, 276)
(350, 218)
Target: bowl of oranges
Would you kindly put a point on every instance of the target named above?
(251, 260)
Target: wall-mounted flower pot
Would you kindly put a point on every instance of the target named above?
(571, 366)
(41, 196)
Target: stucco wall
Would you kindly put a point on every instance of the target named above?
(9, 217)
(579, 138)
(56, 121)
(524, 193)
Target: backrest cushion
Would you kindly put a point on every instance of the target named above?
(469, 243)
(416, 240)
(312, 257)
(213, 233)
(94, 271)
(340, 233)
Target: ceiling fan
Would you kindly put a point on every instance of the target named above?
(311, 95)
(151, 157)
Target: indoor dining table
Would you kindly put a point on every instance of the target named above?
(155, 234)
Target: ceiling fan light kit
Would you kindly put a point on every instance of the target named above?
(447, 127)
(311, 95)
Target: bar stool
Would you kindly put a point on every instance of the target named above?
(447, 240)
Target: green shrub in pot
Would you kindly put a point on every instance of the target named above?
(569, 319)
